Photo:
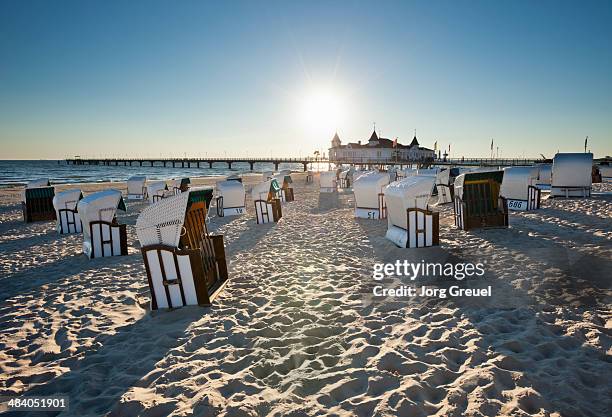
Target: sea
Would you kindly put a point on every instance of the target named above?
(13, 173)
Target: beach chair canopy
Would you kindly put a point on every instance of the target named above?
(67, 199)
(431, 172)
(135, 184)
(99, 206)
(515, 182)
(410, 192)
(156, 188)
(201, 194)
(477, 178)
(327, 179)
(367, 187)
(344, 174)
(266, 190)
(232, 193)
(285, 172)
(267, 175)
(572, 170)
(162, 223)
(37, 183)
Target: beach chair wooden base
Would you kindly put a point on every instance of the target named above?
(344, 183)
(569, 192)
(228, 211)
(423, 230)
(182, 277)
(268, 211)
(287, 195)
(37, 212)
(68, 222)
(467, 220)
(38, 205)
(106, 239)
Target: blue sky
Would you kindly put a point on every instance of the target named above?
(148, 78)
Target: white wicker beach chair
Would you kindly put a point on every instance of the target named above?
(102, 235)
(518, 188)
(410, 222)
(369, 195)
(68, 218)
(231, 198)
(266, 197)
(185, 264)
(136, 189)
(571, 175)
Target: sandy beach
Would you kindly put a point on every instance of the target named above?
(296, 331)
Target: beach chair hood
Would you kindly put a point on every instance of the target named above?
(431, 172)
(67, 199)
(516, 182)
(162, 223)
(232, 193)
(410, 192)
(367, 187)
(102, 205)
(572, 170)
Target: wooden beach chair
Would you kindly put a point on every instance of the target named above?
(343, 179)
(266, 197)
(102, 234)
(136, 188)
(518, 188)
(231, 198)
(68, 218)
(410, 222)
(37, 201)
(309, 177)
(571, 175)
(606, 173)
(185, 264)
(477, 201)
(369, 195)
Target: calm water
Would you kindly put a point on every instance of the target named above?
(20, 172)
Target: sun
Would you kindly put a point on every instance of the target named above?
(322, 111)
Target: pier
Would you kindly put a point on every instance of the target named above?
(376, 162)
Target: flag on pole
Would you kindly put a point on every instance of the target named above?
(491, 144)
(449, 147)
(585, 143)
(436, 146)
(395, 143)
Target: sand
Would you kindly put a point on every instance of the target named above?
(296, 333)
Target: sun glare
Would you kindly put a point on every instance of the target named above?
(322, 112)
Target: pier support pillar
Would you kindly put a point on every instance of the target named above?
(210, 164)
(251, 164)
(275, 166)
(182, 164)
(198, 164)
(229, 164)
(305, 166)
